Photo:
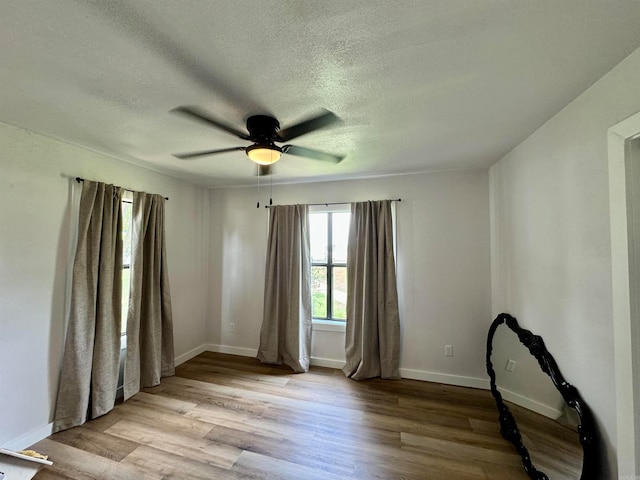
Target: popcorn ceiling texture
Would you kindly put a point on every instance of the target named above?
(421, 86)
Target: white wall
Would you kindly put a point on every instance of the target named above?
(551, 256)
(35, 179)
(443, 268)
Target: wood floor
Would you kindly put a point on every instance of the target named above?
(229, 417)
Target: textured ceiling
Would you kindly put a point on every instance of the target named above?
(420, 86)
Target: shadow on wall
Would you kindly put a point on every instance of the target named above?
(59, 300)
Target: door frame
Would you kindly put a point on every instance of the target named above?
(625, 279)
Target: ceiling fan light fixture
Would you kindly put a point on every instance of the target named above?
(264, 154)
(264, 131)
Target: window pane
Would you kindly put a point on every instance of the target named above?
(126, 232)
(126, 278)
(340, 232)
(319, 292)
(318, 233)
(339, 294)
(127, 209)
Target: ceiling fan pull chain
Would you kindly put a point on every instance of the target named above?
(271, 188)
(258, 197)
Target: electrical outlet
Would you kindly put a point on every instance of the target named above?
(511, 365)
(448, 350)
(232, 327)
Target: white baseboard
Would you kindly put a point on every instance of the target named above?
(251, 352)
(180, 359)
(29, 438)
(458, 380)
(212, 347)
(529, 404)
(448, 379)
(327, 362)
(338, 364)
(242, 351)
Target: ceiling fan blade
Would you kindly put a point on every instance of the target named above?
(202, 117)
(309, 125)
(310, 153)
(190, 155)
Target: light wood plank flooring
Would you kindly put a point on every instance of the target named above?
(229, 417)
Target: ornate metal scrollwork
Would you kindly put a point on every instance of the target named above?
(508, 426)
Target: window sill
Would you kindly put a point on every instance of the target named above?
(328, 326)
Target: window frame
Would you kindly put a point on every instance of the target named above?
(329, 323)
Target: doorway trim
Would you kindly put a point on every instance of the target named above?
(626, 317)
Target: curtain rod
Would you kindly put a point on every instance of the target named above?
(336, 203)
(79, 179)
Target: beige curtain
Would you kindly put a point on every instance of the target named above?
(150, 354)
(373, 324)
(285, 336)
(89, 376)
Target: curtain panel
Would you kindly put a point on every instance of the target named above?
(285, 335)
(372, 343)
(150, 351)
(89, 375)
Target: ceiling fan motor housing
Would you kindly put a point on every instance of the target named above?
(262, 128)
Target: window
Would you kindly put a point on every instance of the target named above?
(127, 227)
(127, 208)
(329, 232)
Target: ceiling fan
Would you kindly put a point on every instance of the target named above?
(264, 131)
